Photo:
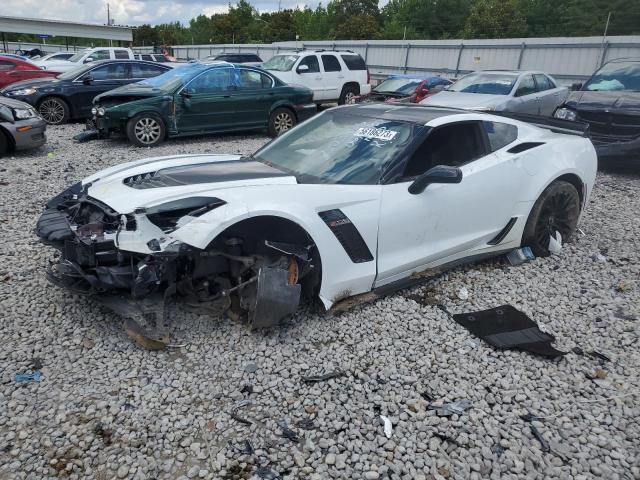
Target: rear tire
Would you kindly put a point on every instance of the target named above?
(348, 95)
(4, 144)
(281, 120)
(54, 110)
(146, 130)
(557, 208)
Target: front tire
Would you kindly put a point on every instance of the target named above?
(146, 130)
(557, 209)
(281, 120)
(54, 110)
(348, 95)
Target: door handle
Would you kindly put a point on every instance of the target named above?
(340, 76)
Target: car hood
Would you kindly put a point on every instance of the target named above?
(149, 182)
(131, 90)
(34, 82)
(51, 64)
(614, 102)
(467, 101)
(13, 103)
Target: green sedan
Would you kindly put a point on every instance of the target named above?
(199, 98)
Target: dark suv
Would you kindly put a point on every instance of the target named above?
(610, 103)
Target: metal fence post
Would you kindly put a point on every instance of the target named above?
(459, 58)
(366, 52)
(406, 57)
(522, 49)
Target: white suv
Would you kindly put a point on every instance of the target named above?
(333, 75)
(86, 56)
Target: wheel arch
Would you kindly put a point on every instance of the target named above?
(11, 142)
(131, 115)
(278, 229)
(283, 104)
(350, 84)
(574, 180)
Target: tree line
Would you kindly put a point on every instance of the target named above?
(398, 19)
(402, 19)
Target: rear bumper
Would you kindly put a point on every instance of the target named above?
(28, 133)
(304, 112)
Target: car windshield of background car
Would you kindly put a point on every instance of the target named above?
(280, 63)
(616, 76)
(487, 83)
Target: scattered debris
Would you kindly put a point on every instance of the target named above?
(36, 363)
(306, 424)
(310, 409)
(530, 417)
(602, 357)
(555, 243)
(388, 426)
(463, 294)
(322, 378)
(250, 367)
(446, 438)
(287, 432)
(506, 327)
(598, 257)
(577, 350)
(520, 255)
(427, 396)
(28, 377)
(103, 433)
(248, 389)
(266, 473)
(623, 287)
(472, 342)
(600, 374)
(245, 449)
(448, 409)
(85, 136)
(237, 406)
(143, 338)
(538, 435)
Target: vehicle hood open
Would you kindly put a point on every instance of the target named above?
(614, 101)
(468, 101)
(148, 182)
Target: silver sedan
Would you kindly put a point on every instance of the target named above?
(20, 126)
(530, 92)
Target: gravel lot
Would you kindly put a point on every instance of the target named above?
(105, 409)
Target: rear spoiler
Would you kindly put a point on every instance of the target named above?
(557, 125)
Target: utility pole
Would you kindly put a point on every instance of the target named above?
(109, 22)
(279, 4)
(602, 46)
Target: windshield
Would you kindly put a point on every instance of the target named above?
(488, 83)
(280, 63)
(336, 147)
(175, 78)
(404, 86)
(615, 76)
(78, 56)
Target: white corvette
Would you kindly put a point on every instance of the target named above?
(359, 199)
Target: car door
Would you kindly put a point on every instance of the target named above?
(206, 103)
(310, 77)
(445, 220)
(550, 95)
(253, 98)
(525, 98)
(333, 76)
(94, 82)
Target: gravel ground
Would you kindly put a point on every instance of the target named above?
(105, 409)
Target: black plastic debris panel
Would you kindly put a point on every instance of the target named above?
(507, 327)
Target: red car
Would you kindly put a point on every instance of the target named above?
(13, 70)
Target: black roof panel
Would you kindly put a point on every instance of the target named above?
(408, 113)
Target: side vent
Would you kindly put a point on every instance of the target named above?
(521, 147)
(348, 235)
(503, 233)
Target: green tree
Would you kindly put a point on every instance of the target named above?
(353, 19)
(424, 19)
(495, 19)
(145, 35)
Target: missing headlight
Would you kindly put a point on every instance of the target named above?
(167, 215)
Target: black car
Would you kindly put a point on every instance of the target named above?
(70, 95)
(610, 103)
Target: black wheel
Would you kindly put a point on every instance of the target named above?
(146, 130)
(557, 209)
(4, 144)
(54, 110)
(281, 120)
(348, 95)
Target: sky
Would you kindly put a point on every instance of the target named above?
(131, 12)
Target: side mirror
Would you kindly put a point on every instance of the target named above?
(87, 79)
(437, 174)
(302, 69)
(576, 86)
(88, 60)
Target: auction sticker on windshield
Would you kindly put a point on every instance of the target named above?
(376, 133)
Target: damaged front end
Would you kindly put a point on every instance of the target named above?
(128, 263)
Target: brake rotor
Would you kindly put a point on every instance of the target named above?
(292, 272)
